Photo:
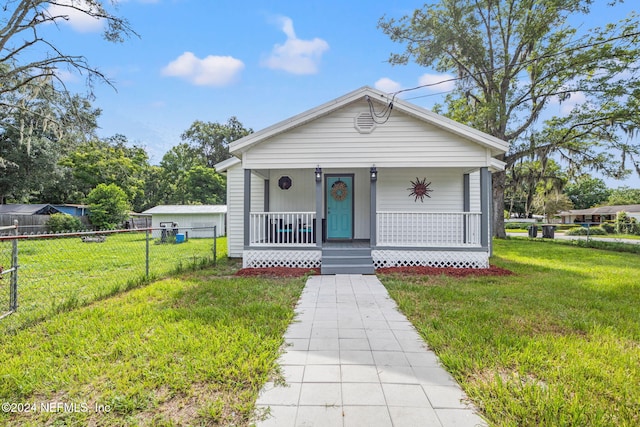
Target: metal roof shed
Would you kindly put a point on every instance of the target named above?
(198, 220)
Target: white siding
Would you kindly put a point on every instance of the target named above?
(257, 193)
(332, 140)
(301, 197)
(235, 211)
(393, 190)
(235, 207)
(474, 191)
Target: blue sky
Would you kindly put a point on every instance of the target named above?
(259, 61)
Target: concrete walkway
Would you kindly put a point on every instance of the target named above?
(353, 359)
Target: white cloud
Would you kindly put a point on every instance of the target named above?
(570, 103)
(209, 71)
(296, 56)
(72, 11)
(437, 82)
(66, 76)
(387, 85)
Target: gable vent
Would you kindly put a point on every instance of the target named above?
(364, 123)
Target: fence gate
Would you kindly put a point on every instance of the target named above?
(8, 273)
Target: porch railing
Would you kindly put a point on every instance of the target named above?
(282, 228)
(445, 229)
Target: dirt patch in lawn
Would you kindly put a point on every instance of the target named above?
(449, 271)
(416, 271)
(277, 272)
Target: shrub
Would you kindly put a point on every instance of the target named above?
(517, 225)
(626, 224)
(61, 222)
(609, 228)
(583, 231)
(108, 206)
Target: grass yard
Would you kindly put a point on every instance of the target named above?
(556, 344)
(63, 273)
(188, 350)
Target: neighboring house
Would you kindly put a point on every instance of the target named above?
(598, 215)
(26, 209)
(30, 217)
(74, 210)
(349, 186)
(196, 220)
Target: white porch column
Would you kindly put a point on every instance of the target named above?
(466, 203)
(373, 224)
(318, 227)
(485, 207)
(247, 206)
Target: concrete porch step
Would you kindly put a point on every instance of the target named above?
(347, 261)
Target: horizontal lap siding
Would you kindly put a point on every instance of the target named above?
(235, 207)
(235, 211)
(402, 141)
(474, 191)
(301, 197)
(394, 184)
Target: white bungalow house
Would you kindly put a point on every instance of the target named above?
(359, 183)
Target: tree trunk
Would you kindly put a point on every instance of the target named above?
(499, 179)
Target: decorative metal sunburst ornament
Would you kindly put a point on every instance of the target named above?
(420, 189)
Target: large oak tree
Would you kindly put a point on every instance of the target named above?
(33, 64)
(513, 59)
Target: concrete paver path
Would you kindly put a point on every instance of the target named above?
(352, 359)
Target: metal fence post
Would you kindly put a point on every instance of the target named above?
(215, 244)
(147, 253)
(13, 293)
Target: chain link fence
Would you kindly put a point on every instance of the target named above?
(43, 274)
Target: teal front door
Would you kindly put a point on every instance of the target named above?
(339, 196)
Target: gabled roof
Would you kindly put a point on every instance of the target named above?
(497, 146)
(187, 209)
(226, 164)
(603, 210)
(28, 209)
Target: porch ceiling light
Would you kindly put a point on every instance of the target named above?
(318, 174)
(374, 173)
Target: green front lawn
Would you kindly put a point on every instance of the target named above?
(60, 274)
(189, 350)
(558, 343)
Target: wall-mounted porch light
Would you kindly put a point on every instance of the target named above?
(318, 174)
(374, 173)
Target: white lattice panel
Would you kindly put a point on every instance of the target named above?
(286, 258)
(456, 259)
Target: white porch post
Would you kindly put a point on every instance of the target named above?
(485, 207)
(373, 224)
(247, 206)
(318, 227)
(466, 204)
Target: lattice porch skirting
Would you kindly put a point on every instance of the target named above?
(284, 258)
(406, 258)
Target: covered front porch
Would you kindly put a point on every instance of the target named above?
(371, 225)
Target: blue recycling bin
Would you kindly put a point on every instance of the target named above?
(180, 238)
